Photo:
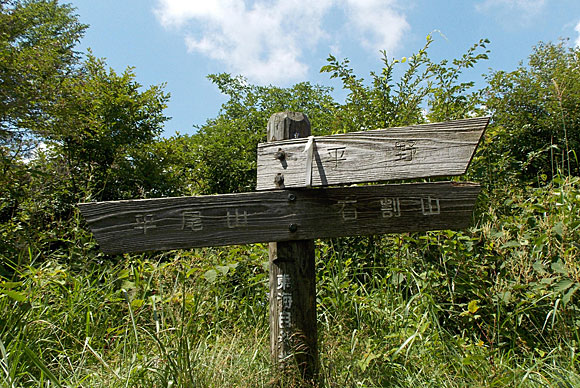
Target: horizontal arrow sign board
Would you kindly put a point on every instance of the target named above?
(280, 215)
(441, 149)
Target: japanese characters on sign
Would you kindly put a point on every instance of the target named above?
(427, 150)
(284, 300)
(144, 222)
(389, 207)
(175, 223)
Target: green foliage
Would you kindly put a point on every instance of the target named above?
(253, 104)
(99, 144)
(384, 103)
(536, 111)
(496, 305)
(70, 130)
(534, 295)
(381, 104)
(452, 98)
(223, 157)
(99, 124)
(199, 318)
(36, 54)
(140, 322)
(158, 169)
(37, 39)
(224, 149)
(473, 301)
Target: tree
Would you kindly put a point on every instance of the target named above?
(536, 113)
(381, 104)
(94, 132)
(385, 103)
(451, 98)
(99, 124)
(37, 39)
(224, 149)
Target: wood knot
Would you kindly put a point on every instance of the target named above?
(280, 154)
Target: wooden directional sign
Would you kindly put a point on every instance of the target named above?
(441, 149)
(281, 215)
(290, 217)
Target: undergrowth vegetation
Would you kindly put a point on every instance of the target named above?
(495, 305)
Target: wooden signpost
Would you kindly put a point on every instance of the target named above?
(290, 215)
(420, 151)
(281, 215)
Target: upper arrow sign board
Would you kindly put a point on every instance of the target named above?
(429, 150)
(280, 215)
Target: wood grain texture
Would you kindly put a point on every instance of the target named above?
(288, 125)
(293, 326)
(440, 149)
(278, 215)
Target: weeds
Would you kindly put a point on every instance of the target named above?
(493, 306)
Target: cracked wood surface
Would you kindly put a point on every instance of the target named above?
(428, 150)
(279, 215)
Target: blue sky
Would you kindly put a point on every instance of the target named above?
(282, 42)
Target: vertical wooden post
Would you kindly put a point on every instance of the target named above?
(293, 332)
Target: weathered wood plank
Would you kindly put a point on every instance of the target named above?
(280, 215)
(441, 149)
(293, 324)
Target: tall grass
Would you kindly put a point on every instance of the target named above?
(494, 306)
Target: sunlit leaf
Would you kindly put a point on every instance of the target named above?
(17, 296)
(210, 275)
(472, 307)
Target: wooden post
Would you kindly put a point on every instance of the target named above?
(293, 213)
(293, 332)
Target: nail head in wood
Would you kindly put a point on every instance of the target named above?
(279, 180)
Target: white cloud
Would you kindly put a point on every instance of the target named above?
(267, 40)
(520, 10)
(381, 26)
(578, 31)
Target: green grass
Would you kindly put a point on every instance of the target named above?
(80, 331)
(492, 307)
